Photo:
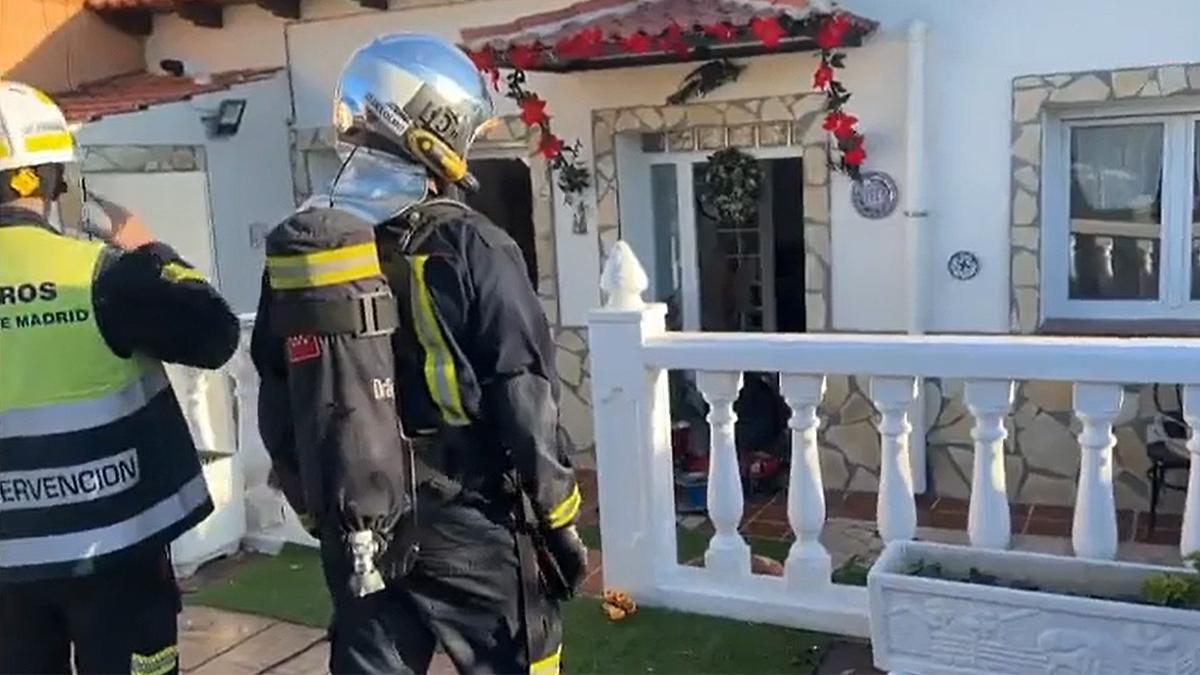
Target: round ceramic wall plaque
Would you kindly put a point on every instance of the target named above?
(875, 196)
(963, 265)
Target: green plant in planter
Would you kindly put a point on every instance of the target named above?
(1175, 590)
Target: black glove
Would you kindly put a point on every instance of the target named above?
(568, 562)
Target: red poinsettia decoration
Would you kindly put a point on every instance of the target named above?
(768, 30)
(485, 61)
(857, 154)
(832, 32)
(720, 31)
(672, 40)
(587, 43)
(829, 31)
(638, 43)
(524, 56)
(533, 110)
(550, 146)
(823, 76)
(841, 124)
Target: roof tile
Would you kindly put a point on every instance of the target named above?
(138, 91)
(625, 17)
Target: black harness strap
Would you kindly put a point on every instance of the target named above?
(366, 315)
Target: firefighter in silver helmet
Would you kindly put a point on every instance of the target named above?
(490, 551)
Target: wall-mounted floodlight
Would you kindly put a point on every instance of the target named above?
(228, 118)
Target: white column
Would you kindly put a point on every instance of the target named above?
(199, 412)
(255, 460)
(808, 565)
(1189, 540)
(615, 336)
(897, 508)
(916, 236)
(728, 554)
(989, 521)
(1094, 531)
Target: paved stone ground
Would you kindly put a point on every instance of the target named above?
(214, 642)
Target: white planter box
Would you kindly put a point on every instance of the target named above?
(922, 625)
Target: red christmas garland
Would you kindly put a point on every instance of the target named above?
(830, 31)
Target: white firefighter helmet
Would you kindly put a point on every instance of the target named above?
(415, 96)
(33, 130)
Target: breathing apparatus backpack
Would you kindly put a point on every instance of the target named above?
(334, 308)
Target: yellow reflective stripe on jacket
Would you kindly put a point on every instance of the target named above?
(48, 141)
(323, 268)
(158, 663)
(565, 512)
(548, 665)
(441, 374)
(176, 272)
(3, 149)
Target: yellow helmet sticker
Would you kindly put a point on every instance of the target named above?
(25, 182)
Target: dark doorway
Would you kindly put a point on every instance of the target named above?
(506, 197)
(752, 275)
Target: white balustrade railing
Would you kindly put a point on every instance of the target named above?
(632, 353)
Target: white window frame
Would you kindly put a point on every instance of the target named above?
(1179, 118)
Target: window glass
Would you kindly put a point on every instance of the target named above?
(1116, 212)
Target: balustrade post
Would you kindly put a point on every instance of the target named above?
(728, 554)
(989, 520)
(808, 564)
(897, 507)
(1189, 540)
(622, 419)
(1094, 531)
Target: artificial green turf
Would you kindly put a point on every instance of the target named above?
(661, 641)
(290, 587)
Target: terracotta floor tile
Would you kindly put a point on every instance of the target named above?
(1052, 512)
(767, 529)
(947, 520)
(775, 510)
(860, 505)
(1048, 527)
(1163, 535)
(1125, 525)
(951, 505)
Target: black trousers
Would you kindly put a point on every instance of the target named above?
(464, 593)
(122, 621)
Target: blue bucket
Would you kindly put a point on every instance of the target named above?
(695, 492)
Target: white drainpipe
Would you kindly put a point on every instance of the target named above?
(916, 218)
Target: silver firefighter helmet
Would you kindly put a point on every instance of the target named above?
(417, 96)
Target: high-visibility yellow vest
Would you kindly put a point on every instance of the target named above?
(97, 464)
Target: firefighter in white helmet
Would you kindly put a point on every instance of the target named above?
(98, 471)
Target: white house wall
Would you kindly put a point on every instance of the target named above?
(976, 48)
(249, 174)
